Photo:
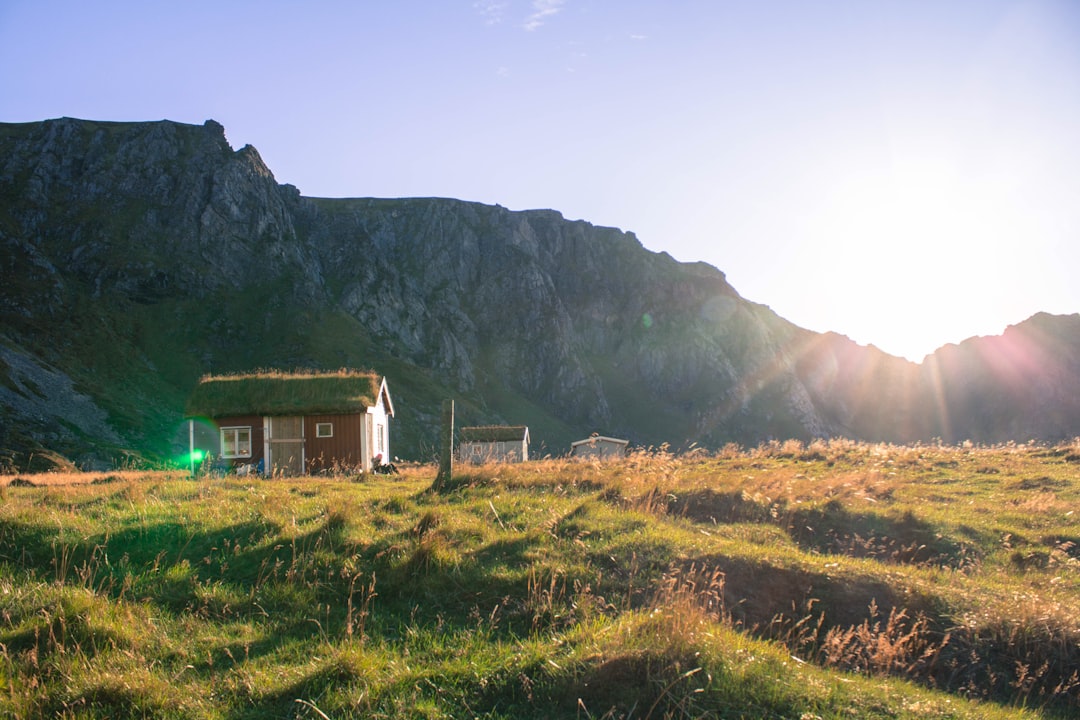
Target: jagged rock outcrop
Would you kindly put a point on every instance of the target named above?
(138, 256)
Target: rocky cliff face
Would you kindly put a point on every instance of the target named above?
(139, 256)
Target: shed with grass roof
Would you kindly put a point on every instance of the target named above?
(494, 443)
(295, 423)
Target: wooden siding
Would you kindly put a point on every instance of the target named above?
(343, 450)
(380, 428)
(599, 447)
(351, 448)
(500, 451)
(287, 445)
(255, 422)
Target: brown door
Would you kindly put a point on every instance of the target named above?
(286, 437)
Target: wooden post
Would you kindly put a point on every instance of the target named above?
(446, 446)
(191, 446)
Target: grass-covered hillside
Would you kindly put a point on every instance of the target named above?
(832, 580)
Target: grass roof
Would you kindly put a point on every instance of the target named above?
(280, 393)
(493, 433)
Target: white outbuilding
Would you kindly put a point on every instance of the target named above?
(494, 443)
(599, 447)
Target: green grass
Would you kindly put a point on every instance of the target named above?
(833, 580)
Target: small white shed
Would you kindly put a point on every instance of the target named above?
(599, 447)
(494, 443)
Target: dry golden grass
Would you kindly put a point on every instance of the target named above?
(54, 479)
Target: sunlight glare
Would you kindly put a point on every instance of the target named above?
(907, 248)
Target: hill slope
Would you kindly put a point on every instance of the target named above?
(138, 256)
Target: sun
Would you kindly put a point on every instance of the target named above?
(901, 252)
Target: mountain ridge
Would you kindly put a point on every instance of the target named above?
(143, 255)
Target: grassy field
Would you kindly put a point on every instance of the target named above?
(831, 580)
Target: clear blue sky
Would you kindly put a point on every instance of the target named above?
(906, 173)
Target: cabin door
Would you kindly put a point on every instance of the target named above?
(285, 438)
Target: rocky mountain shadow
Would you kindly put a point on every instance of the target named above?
(138, 256)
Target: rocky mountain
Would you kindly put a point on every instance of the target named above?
(138, 256)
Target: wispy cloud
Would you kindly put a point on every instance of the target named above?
(491, 10)
(542, 10)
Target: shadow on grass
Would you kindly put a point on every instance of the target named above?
(1036, 664)
(231, 573)
(719, 507)
(758, 595)
(905, 540)
(835, 530)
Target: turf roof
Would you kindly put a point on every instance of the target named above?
(277, 393)
(494, 433)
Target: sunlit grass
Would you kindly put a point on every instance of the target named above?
(60, 478)
(790, 580)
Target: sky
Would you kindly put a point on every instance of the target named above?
(906, 173)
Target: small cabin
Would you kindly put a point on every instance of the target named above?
(599, 447)
(493, 443)
(295, 423)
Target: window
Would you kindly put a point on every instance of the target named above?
(236, 442)
(380, 438)
(324, 430)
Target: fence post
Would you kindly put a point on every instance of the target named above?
(446, 448)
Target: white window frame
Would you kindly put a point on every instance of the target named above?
(324, 430)
(235, 432)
